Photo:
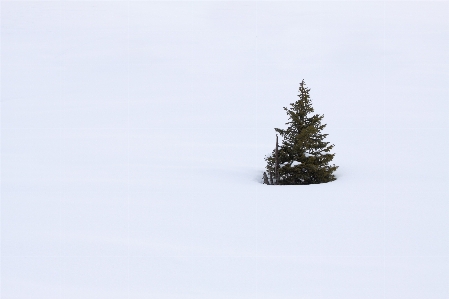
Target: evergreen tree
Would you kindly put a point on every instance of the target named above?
(304, 156)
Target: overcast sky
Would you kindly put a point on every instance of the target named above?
(372, 61)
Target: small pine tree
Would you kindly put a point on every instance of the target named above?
(303, 156)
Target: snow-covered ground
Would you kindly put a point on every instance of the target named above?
(133, 136)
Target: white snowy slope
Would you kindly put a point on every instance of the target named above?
(133, 136)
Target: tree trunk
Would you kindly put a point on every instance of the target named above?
(276, 167)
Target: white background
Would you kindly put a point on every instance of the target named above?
(133, 136)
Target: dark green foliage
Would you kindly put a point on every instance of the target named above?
(304, 156)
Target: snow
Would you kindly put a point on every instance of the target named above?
(295, 163)
(133, 136)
